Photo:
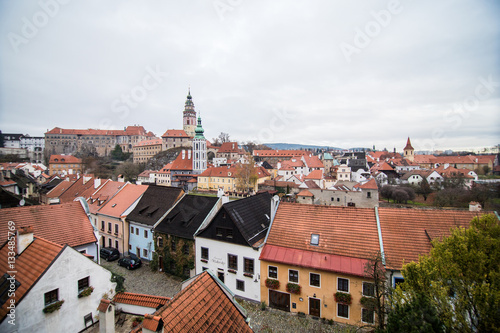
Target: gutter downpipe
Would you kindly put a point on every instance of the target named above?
(379, 230)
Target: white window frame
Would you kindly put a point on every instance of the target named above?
(269, 275)
(366, 322)
(362, 288)
(310, 285)
(348, 311)
(298, 275)
(348, 285)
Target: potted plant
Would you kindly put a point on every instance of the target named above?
(86, 292)
(53, 307)
(272, 283)
(344, 298)
(293, 288)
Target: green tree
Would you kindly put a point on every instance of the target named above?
(376, 272)
(117, 154)
(416, 316)
(460, 278)
(424, 189)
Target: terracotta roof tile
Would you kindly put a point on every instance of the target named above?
(130, 130)
(57, 191)
(404, 231)
(316, 174)
(28, 270)
(149, 301)
(64, 159)
(340, 229)
(369, 185)
(313, 161)
(103, 305)
(150, 142)
(99, 197)
(117, 205)
(230, 147)
(77, 189)
(175, 133)
(278, 153)
(62, 224)
(203, 306)
(305, 193)
(181, 163)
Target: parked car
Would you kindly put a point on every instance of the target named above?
(109, 253)
(130, 262)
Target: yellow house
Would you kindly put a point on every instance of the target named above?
(225, 178)
(311, 265)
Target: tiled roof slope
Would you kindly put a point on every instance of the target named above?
(187, 216)
(344, 231)
(249, 215)
(99, 197)
(175, 133)
(30, 265)
(130, 130)
(230, 147)
(203, 307)
(57, 191)
(150, 142)
(180, 163)
(149, 301)
(154, 203)
(62, 224)
(305, 193)
(404, 231)
(64, 159)
(278, 153)
(117, 205)
(369, 185)
(77, 189)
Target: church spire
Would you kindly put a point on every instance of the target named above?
(199, 129)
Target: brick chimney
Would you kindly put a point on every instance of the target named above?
(24, 238)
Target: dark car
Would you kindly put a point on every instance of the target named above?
(109, 253)
(130, 262)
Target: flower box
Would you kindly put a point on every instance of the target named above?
(204, 260)
(231, 271)
(272, 283)
(293, 288)
(344, 298)
(53, 307)
(248, 274)
(86, 292)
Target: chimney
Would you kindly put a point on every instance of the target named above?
(233, 146)
(274, 206)
(183, 154)
(474, 206)
(24, 238)
(189, 154)
(97, 182)
(106, 316)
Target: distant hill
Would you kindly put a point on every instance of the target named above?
(295, 146)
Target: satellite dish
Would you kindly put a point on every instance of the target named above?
(22, 202)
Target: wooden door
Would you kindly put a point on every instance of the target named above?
(315, 307)
(279, 300)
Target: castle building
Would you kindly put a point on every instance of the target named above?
(409, 152)
(199, 150)
(189, 116)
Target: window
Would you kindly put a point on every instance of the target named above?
(83, 283)
(342, 310)
(130, 247)
(229, 233)
(109, 242)
(173, 245)
(51, 297)
(343, 285)
(185, 249)
(368, 289)
(137, 231)
(398, 280)
(116, 229)
(293, 276)
(367, 316)
(5, 288)
(204, 253)
(314, 239)
(248, 265)
(109, 227)
(273, 272)
(160, 242)
(218, 232)
(116, 244)
(314, 279)
(144, 253)
(240, 285)
(102, 225)
(145, 234)
(368, 195)
(232, 262)
(132, 230)
(185, 271)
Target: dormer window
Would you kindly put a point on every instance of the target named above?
(315, 239)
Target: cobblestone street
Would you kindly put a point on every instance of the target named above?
(144, 281)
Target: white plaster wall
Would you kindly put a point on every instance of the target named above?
(64, 274)
(217, 262)
(90, 249)
(135, 309)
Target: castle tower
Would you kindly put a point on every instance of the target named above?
(189, 116)
(199, 150)
(409, 151)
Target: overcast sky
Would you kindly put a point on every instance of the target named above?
(345, 74)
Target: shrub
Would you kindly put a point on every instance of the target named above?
(343, 298)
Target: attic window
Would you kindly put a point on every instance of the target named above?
(114, 205)
(314, 239)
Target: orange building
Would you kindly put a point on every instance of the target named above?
(64, 164)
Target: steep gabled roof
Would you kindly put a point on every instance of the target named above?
(183, 161)
(62, 224)
(77, 189)
(408, 144)
(316, 174)
(149, 301)
(251, 216)
(64, 159)
(230, 147)
(123, 200)
(369, 185)
(154, 203)
(187, 216)
(59, 189)
(30, 265)
(175, 133)
(203, 306)
(305, 193)
(100, 196)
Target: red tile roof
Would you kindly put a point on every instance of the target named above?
(117, 205)
(203, 306)
(230, 147)
(408, 144)
(149, 301)
(305, 193)
(316, 260)
(100, 196)
(29, 266)
(219, 172)
(278, 153)
(427, 159)
(103, 305)
(313, 161)
(77, 189)
(64, 159)
(130, 130)
(404, 231)
(340, 229)
(185, 163)
(151, 142)
(369, 185)
(315, 174)
(175, 133)
(57, 191)
(62, 224)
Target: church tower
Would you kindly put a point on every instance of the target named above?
(189, 116)
(409, 151)
(199, 150)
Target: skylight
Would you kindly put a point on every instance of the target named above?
(314, 239)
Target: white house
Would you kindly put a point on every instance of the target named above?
(230, 245)
(54, 288)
